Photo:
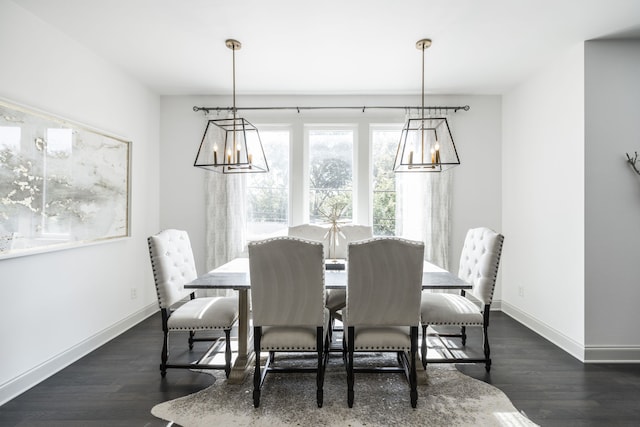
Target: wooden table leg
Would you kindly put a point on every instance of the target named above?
(245, 356)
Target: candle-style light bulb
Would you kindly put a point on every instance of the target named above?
(215, 154)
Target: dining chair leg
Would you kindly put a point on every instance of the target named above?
(485, 333)
(164, 355)
(413, 377)
(423, 350)
(350, 379)
(257, 334)
(344, 348)
(227, 352)
(319, 376)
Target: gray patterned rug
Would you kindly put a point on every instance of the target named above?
(449, 398)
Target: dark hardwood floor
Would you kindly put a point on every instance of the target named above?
(117, 384)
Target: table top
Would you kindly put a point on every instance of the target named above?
(235, 275)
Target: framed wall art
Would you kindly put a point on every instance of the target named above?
(62, 184)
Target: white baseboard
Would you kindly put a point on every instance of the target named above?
(558, 338)
(612, 354)
(25, 381)
(585, 354)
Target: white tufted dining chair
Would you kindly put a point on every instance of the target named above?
(289, 315)
(173, 267)
(479, 263)
(383, 305)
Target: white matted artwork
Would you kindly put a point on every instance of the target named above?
(62, 184)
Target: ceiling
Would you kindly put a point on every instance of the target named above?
(176, 47)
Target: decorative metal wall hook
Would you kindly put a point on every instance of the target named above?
(632, 161)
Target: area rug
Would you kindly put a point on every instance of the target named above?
(447, 398)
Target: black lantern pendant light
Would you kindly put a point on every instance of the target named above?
(426, 143)
(231, 145)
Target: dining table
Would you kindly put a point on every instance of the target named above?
(235, 275)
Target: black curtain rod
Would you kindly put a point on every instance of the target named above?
(298, 109)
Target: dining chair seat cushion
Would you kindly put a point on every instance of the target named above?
(294, 338)
(336, 299)
(205, 314)
(386, 338)
(449, 309)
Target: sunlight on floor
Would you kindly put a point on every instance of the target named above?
(512, 419)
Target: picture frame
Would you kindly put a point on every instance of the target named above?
(62, 184)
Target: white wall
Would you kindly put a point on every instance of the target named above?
(612, 200)
(58, 306)
(543, 202)
(476, 194)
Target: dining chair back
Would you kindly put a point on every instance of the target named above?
(173, 265)
(314, 232)
(351, 233)
(479, 262)
(287, 282)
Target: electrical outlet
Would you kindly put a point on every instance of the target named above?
(134, 293)
(521, 291)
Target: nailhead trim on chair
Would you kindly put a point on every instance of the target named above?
(456, 323)
(384, 348)
(289, 348)
(200, 328)
(155, 275)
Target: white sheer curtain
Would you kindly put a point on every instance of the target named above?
(423, 211)
(226, 217)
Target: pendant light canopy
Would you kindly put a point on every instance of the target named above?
(231, 145)
(426, 143)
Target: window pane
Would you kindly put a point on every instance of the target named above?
(330, 174)
(384, 147)
(268, 193)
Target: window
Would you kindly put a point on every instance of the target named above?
(384, 144)
(330, 173)
(268, 193)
